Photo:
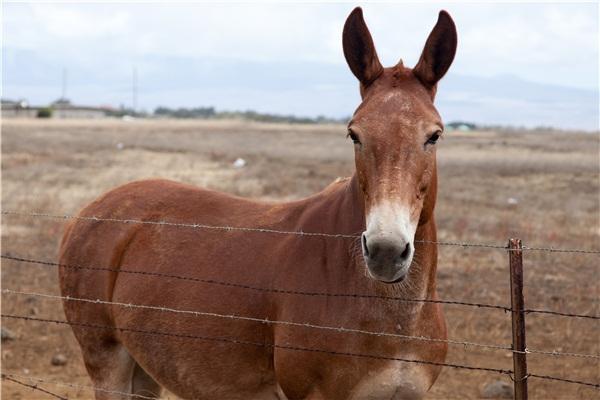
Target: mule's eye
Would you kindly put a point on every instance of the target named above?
(353, 136)
(433, 138)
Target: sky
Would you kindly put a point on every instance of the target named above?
(517, 64)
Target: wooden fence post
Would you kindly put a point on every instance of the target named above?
(515, 257)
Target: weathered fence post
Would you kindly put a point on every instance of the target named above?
(515, 257)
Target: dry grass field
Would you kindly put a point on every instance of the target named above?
(542, 187)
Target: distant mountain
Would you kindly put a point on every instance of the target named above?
(307, 89)
(509, 100)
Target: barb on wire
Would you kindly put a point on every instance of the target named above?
(264, 320)
(76, 386)
(276, 231)
(8, 256)
(34, 387)
(257, 344)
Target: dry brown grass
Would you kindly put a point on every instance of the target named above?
(58, 166)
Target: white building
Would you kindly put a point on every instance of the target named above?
(61, 108)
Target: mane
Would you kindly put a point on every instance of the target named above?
(399, 73)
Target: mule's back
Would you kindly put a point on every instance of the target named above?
(148, 252)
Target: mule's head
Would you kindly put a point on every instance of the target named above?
(394, 131)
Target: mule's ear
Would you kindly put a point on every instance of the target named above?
(359, 49)
(438, 52)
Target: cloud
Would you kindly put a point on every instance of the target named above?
(280, 49)
(70, 23)
(239, 31)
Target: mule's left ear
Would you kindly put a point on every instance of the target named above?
(438, 52)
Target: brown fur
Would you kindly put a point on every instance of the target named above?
(393, 121)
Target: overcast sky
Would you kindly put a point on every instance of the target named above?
(287, 58)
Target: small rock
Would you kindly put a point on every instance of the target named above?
(497, 390)
(59, 359)
(30, 299)
(239, 163)
(120, 146)
(7, 335)
(512, 200)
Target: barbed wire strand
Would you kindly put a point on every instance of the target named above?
(77, 386)
(559, 250)
(302, 324)
(558, 313)
(262, 320)
(34, 387)
(258, 344)
(558, 353)
(13, 377)
(181, 224)
(279, 232)
(554, 378)
(296, 348)
(8, 256)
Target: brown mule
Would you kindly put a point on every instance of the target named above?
(390, 199)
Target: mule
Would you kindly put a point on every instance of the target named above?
(388, 204)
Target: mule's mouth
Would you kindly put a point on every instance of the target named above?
(398, 277)
(398, 280)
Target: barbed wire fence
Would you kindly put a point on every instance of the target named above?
(32, 214)
(519, 374)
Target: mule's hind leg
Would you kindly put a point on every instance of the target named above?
(108, 363)
(115, 374)
(143, 384)
(110, 368)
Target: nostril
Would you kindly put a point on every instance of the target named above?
(406, 252)
(364, 244)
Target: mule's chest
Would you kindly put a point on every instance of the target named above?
(397, 380)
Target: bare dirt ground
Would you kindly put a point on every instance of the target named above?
(542, 187)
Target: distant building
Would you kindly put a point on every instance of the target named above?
(18, 109)
(461, 126)
(61, 108)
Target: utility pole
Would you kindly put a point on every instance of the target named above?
(134, 88)
(64, 84)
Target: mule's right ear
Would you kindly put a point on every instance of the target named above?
(359, 49)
